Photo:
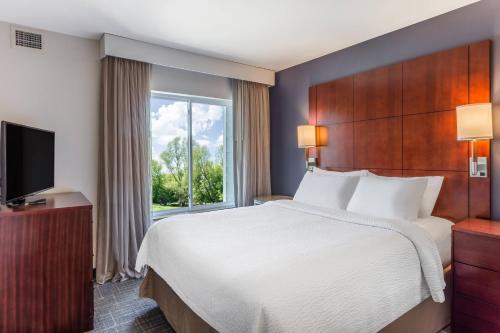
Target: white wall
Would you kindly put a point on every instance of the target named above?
(179, 81)
(57, 89)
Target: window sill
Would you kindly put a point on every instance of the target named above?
(196, 209)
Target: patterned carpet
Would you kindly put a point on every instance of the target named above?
(118, 308)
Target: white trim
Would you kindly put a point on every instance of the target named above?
(197, 98)
(196, 209)
(169, 57)
(190, 153)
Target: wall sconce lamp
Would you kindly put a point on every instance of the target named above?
(310, 136)
(474, 122)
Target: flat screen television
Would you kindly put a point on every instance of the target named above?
(27, 162)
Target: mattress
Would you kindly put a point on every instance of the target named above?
(440, 231)
(285, 266)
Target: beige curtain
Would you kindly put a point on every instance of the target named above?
(251, 133)
(124, 167)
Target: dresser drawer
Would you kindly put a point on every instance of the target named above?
(468, 312)
(477, 250)
(468, 324)
(477, 282)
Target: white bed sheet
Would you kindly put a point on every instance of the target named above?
(440, 231)
(291, 267)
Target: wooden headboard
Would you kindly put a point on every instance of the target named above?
(399, 120)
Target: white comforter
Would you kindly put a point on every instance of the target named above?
(290, 267)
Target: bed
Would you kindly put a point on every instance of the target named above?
(290, 267)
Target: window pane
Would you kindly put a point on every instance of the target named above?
(169, 142)
(208, 122)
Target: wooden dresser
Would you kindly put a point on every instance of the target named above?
(46, 266)
(476, 276)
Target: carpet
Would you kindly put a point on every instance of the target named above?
(118, 308)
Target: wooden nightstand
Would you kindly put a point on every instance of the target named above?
(476, 276)
(261, 200)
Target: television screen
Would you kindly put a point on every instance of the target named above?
(27, 161)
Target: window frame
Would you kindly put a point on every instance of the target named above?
(190, 99)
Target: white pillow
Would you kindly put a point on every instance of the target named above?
(329, 191)
(430, 196)
(388, 198)
(431, 192)
(338, 173)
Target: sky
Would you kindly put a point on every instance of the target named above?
(169, 120)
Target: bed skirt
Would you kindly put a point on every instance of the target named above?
(427, 317)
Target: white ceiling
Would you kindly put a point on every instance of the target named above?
(273, 34)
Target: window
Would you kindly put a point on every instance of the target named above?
(192, 162)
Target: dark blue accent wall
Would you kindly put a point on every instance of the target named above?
(289, 98)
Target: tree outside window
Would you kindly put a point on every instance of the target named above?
(190, 147)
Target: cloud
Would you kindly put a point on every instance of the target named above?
(205, 116)
(203, 142)
(170, 121)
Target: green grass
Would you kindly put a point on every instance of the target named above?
(159, 208)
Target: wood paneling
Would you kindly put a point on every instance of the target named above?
(480, 196)
(436, 82)
(334, 155)
(377, 144)
(378, 93)
(387, 172)
(338, 169)
(46, 266)
(452, 202)
(479, 92)
(430, 143)
(404, 123)
(479, 72)
(379, 172)
(335, 102)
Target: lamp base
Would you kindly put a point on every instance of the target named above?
(478, 168)
(310, 163)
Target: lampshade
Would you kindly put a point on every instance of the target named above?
(474, 122)
(306, 136)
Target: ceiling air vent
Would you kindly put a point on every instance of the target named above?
(28, 39)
